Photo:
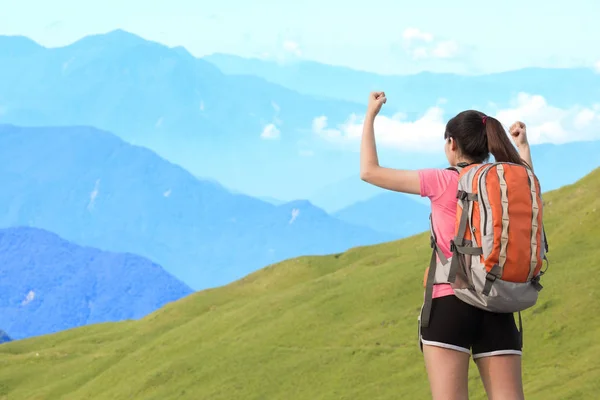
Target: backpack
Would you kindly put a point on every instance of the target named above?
(499, 244)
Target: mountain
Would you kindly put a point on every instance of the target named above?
(557, 165)
(94, 189)
(344, 193)
(184, 108)
(561, 87)
(347, 192)
(391, 212)
(272, 200)
(48, 284)
(4, 338)
(248, 130)
(323, 328)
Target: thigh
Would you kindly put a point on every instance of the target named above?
(497, 353)
(448, 373)
(446, 344)
(501, 376)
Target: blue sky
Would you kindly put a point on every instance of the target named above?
(392, 37)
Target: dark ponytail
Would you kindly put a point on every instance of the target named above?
(499, 144)
(477, 136)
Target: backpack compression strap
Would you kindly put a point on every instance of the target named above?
(426, 311)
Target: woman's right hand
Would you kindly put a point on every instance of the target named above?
(376, 100)
(518, 132)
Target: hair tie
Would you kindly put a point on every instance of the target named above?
(484, 119)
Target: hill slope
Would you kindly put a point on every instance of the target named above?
(96, 190)
(48, 284)
(335, 327)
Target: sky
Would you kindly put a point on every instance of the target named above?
(393, 36)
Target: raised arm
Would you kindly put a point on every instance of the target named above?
(518, 132)
(370, 171)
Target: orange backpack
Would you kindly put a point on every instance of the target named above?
(499, 244)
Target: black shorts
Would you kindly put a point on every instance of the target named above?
(456, 325)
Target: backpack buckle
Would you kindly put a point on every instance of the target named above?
(535, 281)
(452, 246)
(490, 277)
(461, 195)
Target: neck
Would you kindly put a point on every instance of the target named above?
(463, 160)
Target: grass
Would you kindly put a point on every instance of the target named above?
(336, 327)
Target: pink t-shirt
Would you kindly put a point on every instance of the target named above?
(440, 186)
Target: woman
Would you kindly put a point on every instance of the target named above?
(457, 329)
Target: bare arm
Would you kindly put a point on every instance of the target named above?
(370, 171)
(525, 154)
(518, 132)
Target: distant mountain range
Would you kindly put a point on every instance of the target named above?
(48, 284)
(182, 107)
(249, 128)
(561, 87)
(389, 212)
(94, 189)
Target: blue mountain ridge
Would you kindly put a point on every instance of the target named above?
(182, 107)
(562, 87)
(389, 212)
(94, 189)
(48, 284)
(191, 113)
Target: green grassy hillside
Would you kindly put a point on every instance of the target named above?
(335, 327)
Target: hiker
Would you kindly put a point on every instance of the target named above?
(456, 321)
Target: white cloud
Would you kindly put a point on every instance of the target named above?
(422, 45)
(411, 34)
(549, 124)
(423, 135)
(270, 131)
(545, 124)
(419, 53)
(445, 49)
(597, 67)
(289, 46)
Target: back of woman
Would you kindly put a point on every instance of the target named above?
(456, 330)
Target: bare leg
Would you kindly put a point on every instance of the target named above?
(448, 372)
(501, 376)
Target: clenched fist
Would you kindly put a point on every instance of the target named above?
(376, 100)
(518, 132)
